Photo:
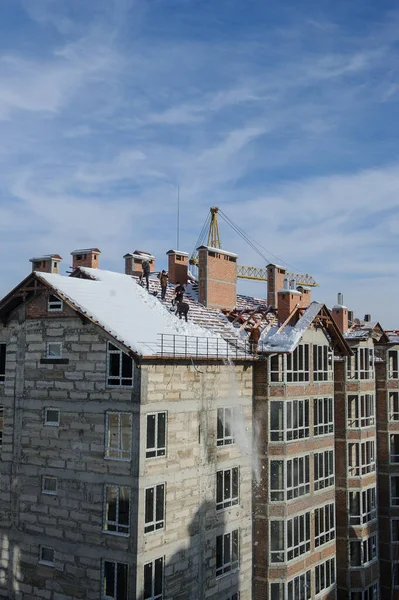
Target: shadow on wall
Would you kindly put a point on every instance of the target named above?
(206, 567)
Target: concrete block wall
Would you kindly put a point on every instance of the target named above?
(71, 521)
(191, 397)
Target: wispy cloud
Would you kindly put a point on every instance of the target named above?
(287, 122)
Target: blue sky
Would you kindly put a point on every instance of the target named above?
(283, 114)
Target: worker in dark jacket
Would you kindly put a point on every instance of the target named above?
(145, 265)
(254, 337)
(179, 292)
(163, 279)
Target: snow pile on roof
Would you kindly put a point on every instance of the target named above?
(356, 334)
(286, 341)
(123, 308)
(290, 336)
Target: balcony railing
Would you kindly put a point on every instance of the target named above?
(181, 346)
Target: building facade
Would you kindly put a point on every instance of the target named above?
(387, 392)
(358, 566)
(196, 467)
(295, 529)
(123, 476)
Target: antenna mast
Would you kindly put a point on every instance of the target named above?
(178, 218)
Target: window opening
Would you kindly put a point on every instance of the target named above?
(156, 435)
(120, 367)
(154, 508)
(118, 436)
(227, 486)
(116, 509)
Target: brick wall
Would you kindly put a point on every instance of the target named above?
(275, 283)
(87, 258)
(217, 279)
(286, 302)
(177, 267)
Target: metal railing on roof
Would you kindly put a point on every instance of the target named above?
(182, 346)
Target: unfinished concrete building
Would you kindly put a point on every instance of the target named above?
(358, 566)
(387, 394)
(123, 472)
(149, 459)
(295, 553)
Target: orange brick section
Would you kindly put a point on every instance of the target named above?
(304, 300)
(85, 258)
(177, 266)
(217, 278)
(134, 261)
(46, 264)
(286, 302)
(37, 308)
(275, 283)
(340, 315)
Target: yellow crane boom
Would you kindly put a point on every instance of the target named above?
(260, 274)
(243, 272)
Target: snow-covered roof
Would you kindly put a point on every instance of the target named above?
(85, 250)
(218, 251)
(289, 337)
(366, 330)
(177, 252)
(122, 308)
(356, 334)
(289, 291)
(139, 254)
(46, 257)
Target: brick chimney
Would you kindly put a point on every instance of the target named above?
(217, 277)
(85, 258)
(177, 266)
(305, 297)
(49, 263)
(275, 281)
(134, 260)
(340, 314)
(287, 299)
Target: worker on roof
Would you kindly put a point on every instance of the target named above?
(179, 292)
(254, 337)
(163, 279)
(145, 265)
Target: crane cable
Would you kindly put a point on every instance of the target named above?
(242, 234)
(251, 242)
(202, 234)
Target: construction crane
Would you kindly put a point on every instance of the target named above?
(211, 226)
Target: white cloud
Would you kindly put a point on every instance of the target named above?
(100, 128)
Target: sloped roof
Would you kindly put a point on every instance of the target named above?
(286, 339)
(136, 318)
(210, 320)
(122, 308)
(365, 331)
(393, 336)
